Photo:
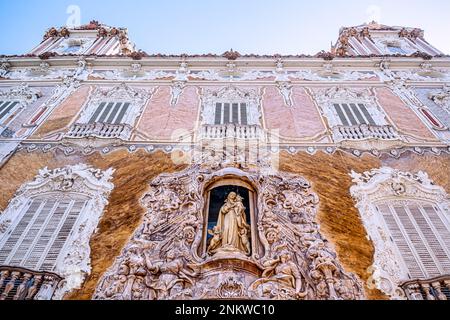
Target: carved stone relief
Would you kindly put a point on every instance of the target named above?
(290, 259)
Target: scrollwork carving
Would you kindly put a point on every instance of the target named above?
(289, 260)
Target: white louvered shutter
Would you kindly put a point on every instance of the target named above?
(421, 236)
(38, 238)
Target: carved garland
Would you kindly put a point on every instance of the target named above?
(73, 263)
(163, 261)
(386, 184)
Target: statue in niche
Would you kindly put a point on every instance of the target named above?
(231, 234)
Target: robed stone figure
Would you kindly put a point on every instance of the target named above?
(231, 234)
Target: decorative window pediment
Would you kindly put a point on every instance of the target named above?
(354, 115)
(110, 113)
(407, 217)
(48, 224)
(231, 96)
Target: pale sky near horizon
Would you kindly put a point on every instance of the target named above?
(214, 26)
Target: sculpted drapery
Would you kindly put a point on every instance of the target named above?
(232, 228)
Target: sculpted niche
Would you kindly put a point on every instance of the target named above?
(199, 240)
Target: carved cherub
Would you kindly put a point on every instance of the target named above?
(245, 240)
(216, 240)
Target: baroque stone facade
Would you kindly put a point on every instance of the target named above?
(225, 176)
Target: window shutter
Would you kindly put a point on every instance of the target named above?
(358, 114)
(105, 112)
(341, 115)
(235, 113)
(62, 235)
(349, 114)
(6, 109)
(226, 113)
(122, 113)
(218, 114)
(34, 227)
(38, 239)
(439, 240)
(13, 238)
(97, 112)
(419, 245)
(367, 114)
(244, 120)
(113, 113)
(401, 241)
(46, 236)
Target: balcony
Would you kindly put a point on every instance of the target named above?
(367, 137)
(24, 284)
(100, 130)
(232, 131)
(433, 289)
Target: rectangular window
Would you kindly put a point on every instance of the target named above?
(40, 235)
(422, 238)
(111, 113)
(7, 108)
(351, 114)
(226, 113)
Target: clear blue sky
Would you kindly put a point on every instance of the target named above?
(214, 26)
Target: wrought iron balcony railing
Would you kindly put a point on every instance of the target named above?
(23, 284)
(100, 130)
(433, 289)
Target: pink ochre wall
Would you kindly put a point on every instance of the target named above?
(160, 119)
(402, 116)
(302, 120)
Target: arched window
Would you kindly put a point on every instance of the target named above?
(219, 205)
(47, 226)
(406, 216)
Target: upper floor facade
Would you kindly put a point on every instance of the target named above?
(380, 89)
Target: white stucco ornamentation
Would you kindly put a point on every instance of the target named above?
(231, 94)
(137, 98)
(384, 186)
(379, 134)
(175, 91)
(22, 93)
(441, 97)
(71, 182)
